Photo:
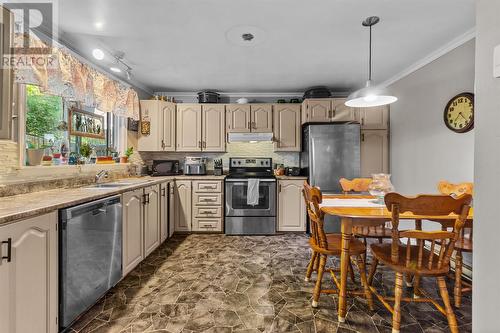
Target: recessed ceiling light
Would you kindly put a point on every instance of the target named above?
(99, 25)
(115, 69)
(98, 54)
(247, 37)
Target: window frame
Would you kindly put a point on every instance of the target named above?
(7, 118)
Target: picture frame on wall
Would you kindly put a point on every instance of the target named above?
(86, 124)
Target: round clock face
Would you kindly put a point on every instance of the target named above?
(459, 113)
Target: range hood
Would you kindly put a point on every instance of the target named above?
(250, 137)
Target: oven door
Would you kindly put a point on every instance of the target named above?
(236, 198)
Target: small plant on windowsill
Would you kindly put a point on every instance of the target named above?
(127, 154)
(34, 153)
(85, 151)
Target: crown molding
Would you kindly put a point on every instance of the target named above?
(453, 44)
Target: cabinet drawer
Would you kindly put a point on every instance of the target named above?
(213, 225)
(207, 211)
(207, 199)
(207, 186)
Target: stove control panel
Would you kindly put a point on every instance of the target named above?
(254, 162)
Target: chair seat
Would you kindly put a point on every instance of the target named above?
(383, 253)
(372, 232)
(335, 245)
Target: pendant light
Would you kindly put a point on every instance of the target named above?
(370, 95)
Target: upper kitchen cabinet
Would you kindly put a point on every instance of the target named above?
(374, 152)
(189, 127)
(323, 110)
(373, 118)
(341, 112)
(213, 133)
(28, 275)
(161, 116)
(261, 118)
(238, 118)
(287, 127)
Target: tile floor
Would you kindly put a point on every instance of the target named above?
(217, 283)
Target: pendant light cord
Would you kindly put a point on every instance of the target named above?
(370, 56)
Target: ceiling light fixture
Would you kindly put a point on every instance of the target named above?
(115, 69)
(98, 54)
(121, 65)
(370, 96)
(247, 37)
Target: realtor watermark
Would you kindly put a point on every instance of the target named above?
(29, 29)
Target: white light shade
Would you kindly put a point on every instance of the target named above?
(98, 54)
(115, 69)
(369, 97)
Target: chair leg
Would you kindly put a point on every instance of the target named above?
(416, 285)
(373, 269)
(450, 315)
(398, 293)
(310, 267)
(364, 281)
(351, 272)
(316, 263)
(317, 286)
(408, 280)
(458, 279)
(365, 255)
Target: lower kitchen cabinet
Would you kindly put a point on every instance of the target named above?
(151, 219)
(291, 206)
(133, 240)
(207, 206)
(164, 211)
(28, 283)
(183, 199)
(374, 152)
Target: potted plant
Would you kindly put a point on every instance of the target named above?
(34, 154)
(128, 153)
(85, 151)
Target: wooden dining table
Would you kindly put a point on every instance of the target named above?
(362, 216)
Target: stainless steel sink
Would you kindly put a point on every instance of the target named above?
(108, 185)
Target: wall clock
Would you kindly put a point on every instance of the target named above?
(459, 113)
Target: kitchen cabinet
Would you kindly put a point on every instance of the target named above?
(29, 282)
(291, 206)
(373, 118)
(374, 152)
(261, 118)
(207, 206)
(151, 219)
(325, 110)
(164, 211)
(238, 118)
(287, 127)
(214, 125)
(133, 240)
(189, 137)
(183, 201)
(161, 116)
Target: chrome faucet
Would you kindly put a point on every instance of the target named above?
(100, 175)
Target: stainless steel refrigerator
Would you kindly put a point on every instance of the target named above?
(330, 152)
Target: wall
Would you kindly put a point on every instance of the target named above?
(486, 293)
(423, 149)
(235, 149)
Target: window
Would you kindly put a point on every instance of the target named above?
(47, 138)
(6, 76)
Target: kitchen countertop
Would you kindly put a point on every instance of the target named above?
(291, 177)
(22, 206)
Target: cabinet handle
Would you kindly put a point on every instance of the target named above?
(162, 144)
(163, 192)
(209, 187)
(145, 199)
(204, 144)
(362, 121)
(199, 144)
(249, 125)
(9, 250)
(362, 136)
(279, 188)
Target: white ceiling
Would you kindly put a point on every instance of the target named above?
(179, 45)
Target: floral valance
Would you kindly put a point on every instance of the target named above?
(65, 75)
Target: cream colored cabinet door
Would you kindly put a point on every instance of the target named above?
(133, 248)
(341, 112)
(214, 127)
(150, 112)
(183, 202)
(373, 118)
(287, 127)
(317, 110)
(164, 211)
(151, 219)
(171, 209)
(374, 152)
(189, 127)
(168, 115)
(291, 206)
(238, 118)
(261, 118)
(29, 282)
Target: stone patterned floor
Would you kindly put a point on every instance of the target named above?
(219, 284)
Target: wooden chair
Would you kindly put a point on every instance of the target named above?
(464, 243)
(414, 258)
(324, 245)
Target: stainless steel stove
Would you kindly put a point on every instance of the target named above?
(242, 218)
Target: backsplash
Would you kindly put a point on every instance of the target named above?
(234, 149)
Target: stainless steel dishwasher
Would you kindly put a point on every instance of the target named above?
(90, 255)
